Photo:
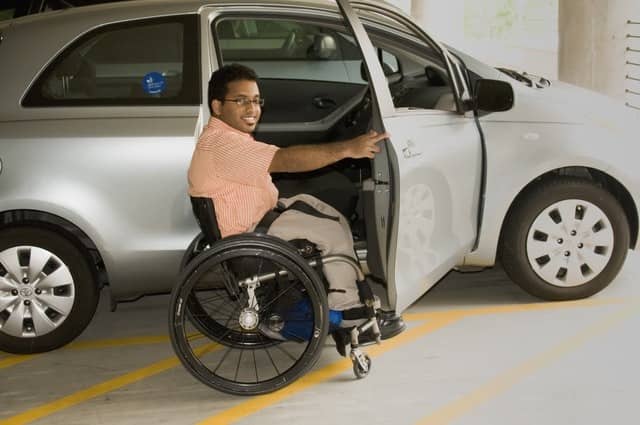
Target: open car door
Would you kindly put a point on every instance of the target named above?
(427, 180)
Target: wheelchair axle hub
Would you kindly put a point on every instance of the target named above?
(248, 319)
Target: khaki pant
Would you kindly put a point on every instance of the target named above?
(331, 237)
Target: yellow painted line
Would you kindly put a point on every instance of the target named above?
(11, 360)
(257, 403)
(122, 342)
(118, 342)
(500, 383)
(99, 389)
(518, 308)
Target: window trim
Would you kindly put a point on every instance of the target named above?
(190, 94)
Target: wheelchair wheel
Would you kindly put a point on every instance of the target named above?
(249, 316)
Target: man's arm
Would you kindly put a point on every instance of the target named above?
(302, 158)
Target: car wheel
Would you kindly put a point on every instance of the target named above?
(565, 239)
(48, 294)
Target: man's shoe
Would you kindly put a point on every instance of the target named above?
(390, 323)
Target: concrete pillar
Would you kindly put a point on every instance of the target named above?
(418, 10)
(594, 45)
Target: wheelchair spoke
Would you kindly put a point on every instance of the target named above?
(279, 347)
(224, 356)
(221, 299)
(264, 307)
(235, 377)
(195, 336)
(297, 335)
(272, 362)
(255, 365)
(260, 267)
(223, 310)
(216, 297)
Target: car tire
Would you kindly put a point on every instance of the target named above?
(54, 296)
(565, 239)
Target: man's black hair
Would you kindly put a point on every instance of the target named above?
(220, 79)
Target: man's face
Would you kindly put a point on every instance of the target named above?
(241, 117)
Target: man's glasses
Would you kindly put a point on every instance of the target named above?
(245, 101)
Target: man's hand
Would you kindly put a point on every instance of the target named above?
(366, 145)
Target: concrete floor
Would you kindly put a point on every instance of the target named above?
(478, 351)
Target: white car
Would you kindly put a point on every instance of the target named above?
(102, 106)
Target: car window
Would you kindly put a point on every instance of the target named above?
(278, 48)
(310, 70)
(416, 71)
(146, 62)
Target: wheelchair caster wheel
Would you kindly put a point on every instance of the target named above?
(361, 366)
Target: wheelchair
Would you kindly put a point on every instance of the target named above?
(234, 294)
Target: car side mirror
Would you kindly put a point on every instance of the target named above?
(493, 96)
(324, 47)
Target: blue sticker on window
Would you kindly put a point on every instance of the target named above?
(153, 83)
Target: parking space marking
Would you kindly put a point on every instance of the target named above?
(258, 403)
(99, 389)
(518, 308)
(11, 360)
(118, 342)
(502, 382)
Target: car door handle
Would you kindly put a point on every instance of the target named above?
(324, 102)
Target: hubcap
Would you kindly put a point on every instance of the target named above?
(570, 243)
(36, 291)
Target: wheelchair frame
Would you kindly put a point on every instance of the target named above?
(208, 252)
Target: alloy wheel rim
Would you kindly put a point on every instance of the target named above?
(36, 291)
(570, 243)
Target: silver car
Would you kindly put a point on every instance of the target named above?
(101, 107)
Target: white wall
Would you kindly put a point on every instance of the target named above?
(598, 47)
(519, 34)
(589, 43)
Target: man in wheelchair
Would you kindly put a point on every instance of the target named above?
(233, 169)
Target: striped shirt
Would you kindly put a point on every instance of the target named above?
(232, 168)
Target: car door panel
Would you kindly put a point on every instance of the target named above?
(301, 111)
(435, 186)
(439, 162)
